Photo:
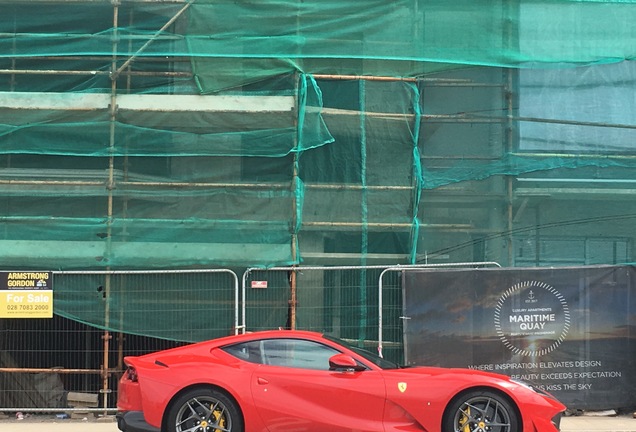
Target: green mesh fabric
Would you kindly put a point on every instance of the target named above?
(141, 134)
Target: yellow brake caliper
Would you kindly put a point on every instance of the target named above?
(217, 413)
(463, 421)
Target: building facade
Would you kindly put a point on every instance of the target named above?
(164, 135)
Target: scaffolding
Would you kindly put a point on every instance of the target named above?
(183, 134)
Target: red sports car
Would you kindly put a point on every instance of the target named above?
(284, 380)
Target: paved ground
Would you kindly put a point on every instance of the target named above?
(598, 424)
(51, 424)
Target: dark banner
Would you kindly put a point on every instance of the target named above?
(570, 330)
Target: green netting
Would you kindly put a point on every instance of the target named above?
(493, 33)
(140, 134)
(186, 307)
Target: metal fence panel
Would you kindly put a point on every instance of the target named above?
(101, 317)
(340, 301)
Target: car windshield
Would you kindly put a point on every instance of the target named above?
(368, 355)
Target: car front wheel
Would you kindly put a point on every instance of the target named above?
(204, 410)
(481, 411)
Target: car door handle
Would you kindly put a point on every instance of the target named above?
(262, 381)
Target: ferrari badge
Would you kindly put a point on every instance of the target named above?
(402, 387)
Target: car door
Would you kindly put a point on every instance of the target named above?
(294, 391)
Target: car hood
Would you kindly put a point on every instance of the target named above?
(433, 371)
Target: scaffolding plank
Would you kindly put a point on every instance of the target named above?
(155, 254)
(156, 103)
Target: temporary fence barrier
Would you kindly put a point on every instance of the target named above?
(103, 316)
(359, 303)
(339, 300)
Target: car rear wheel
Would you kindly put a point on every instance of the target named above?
(481, 411)
(204, 410)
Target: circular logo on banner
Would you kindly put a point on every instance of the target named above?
(532, 318)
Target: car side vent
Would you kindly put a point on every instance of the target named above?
(158, 363)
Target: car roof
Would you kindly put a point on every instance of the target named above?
(233, 339)
(268, 334)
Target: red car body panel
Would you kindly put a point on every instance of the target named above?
(429, 390)
(313, 400)
(277, 399)
(187, 366)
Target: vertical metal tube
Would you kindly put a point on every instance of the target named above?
(120, 335)
(293, 300)
(509, 8)
(295, 192)
(509, 179)
(111, 176)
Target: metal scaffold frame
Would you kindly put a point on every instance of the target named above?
(120, 69)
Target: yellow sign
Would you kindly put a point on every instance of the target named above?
(26, 304)
(26, 295)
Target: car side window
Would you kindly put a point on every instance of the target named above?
(248, 351)
(294, 353)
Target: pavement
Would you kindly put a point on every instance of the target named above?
(583, 423)
(49, 423)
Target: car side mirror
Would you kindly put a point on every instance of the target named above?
(344, 362)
